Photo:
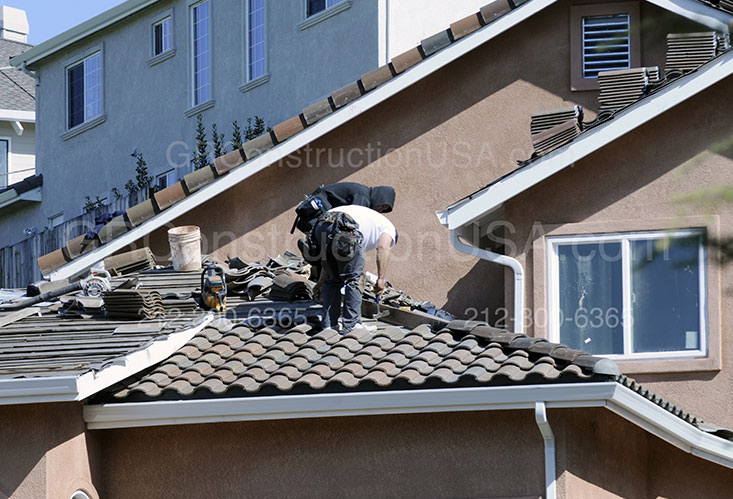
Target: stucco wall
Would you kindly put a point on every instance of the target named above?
(644, 176)
(430, 455)
(44, 452)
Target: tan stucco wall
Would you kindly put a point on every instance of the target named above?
(425, 455)
(44, 452)
(601, 455)
(641, 177)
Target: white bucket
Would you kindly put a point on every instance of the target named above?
(185, 243)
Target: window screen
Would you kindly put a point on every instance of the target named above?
(606, 44)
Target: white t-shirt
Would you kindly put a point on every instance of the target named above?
(372, 224)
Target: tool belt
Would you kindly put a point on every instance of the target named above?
(343, 234)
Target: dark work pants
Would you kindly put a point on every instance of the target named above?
(340, 272)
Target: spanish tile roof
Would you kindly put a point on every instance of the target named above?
(25, 185)
(17, 89)
(231, 360)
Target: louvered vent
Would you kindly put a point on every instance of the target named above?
(606, 44)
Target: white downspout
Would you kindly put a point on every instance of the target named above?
(540, 415)
(506, 261)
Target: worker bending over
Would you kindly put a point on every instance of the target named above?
(344, 234)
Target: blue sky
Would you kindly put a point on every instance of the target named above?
(48, 18)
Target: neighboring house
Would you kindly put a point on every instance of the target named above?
(135, 77)
(17, 129)
(456, 409)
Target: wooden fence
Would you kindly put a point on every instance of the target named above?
(18, 266)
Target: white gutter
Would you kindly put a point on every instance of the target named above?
(495, 195)
(711, 17)
(80, 387)
(13, 115)
(309, 135)
(506, 261)
(611, 394)
(540, 415)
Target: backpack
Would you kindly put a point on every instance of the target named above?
(308, 211)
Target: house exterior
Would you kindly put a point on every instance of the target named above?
(444, 409)
(17, 125)
(134, 79)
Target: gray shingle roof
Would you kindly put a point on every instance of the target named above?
(17, 89)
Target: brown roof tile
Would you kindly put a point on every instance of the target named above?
(283, 131)
(373, 79)
(466, 26)
(346, 95)
(406, 60)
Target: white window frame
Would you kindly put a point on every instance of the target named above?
(247, 42)
(330, 4)
(553, 279)
(166, 174)
(196, 106)
(5, 178)
(89, 121)
(161, 22)
(56, 220)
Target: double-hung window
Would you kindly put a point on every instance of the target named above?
(84, 88)
(162, 36)
(631, 295)
(315, 6)
(165, 179)
(255, 39)
(4, 162)
(201, 44)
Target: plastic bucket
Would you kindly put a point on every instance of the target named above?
(185, 243)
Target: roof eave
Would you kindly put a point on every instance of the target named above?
(493, 197)
(698, 12)
(611, 394)
(79, 387)
(80, 32)
(13, 115)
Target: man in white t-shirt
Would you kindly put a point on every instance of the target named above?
(344, 240)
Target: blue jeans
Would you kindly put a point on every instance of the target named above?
(340, 272)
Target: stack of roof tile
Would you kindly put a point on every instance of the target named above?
(556, 136)
(623, 87)
(723, 40)
(130, 262)
(545, 120)
(133, 304)
(688, 51)
(289, 286)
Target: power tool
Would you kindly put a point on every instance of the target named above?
(213, 288)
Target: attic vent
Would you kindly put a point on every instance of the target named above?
(606, 44)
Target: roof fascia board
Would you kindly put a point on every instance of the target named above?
(668, 427)
(33, 195)
(494, 196)
(80, 32)
(79, 387)
(310, 134)
(13, 115)
(93, 382)
(697, 11)
(616, 397)
(160, 413)
(34, 390)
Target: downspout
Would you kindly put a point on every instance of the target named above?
(540, 415)
(506, 261)
(32, 74)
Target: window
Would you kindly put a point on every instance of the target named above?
(636, 295)
(165, 179)
(56, 220)
(201, 44)
(606, 44)
(4, 162)
(603, 37)
(162, 36)
(84, 80)
(316, 6)
(256, 39)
